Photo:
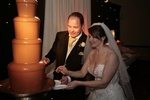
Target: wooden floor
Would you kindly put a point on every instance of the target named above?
(140, 79)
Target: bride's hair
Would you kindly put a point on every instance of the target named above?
(97, 32)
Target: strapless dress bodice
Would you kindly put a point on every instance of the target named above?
(112, 92)
(98, 71)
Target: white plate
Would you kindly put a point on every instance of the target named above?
(58, 87)
(57, 82)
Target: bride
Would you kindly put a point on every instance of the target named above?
(105, 63)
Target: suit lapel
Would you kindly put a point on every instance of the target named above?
(63, 45)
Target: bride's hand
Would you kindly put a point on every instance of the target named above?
(72, 85)
(62, 69)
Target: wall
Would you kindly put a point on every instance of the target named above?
(134, 25)
(134, 22)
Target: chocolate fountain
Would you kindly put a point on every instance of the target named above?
(26, 74)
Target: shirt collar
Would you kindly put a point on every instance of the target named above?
(77, 37)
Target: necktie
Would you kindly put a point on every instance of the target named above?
(71, 40)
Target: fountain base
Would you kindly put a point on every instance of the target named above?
(6, 93)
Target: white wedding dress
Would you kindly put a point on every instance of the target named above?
(112, 92)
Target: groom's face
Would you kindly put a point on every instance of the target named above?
(74, 26)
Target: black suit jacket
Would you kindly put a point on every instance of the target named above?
(58, 52)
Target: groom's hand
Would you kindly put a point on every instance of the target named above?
(64, 80)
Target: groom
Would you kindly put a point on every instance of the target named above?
(71, 56)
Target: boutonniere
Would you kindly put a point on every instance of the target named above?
(82, 44)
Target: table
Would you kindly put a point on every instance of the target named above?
(130, 58)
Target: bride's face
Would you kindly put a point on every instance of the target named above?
(95, 42)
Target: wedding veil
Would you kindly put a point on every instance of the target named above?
(124, 77)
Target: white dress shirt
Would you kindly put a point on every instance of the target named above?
(74, 43)
(69, 50)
